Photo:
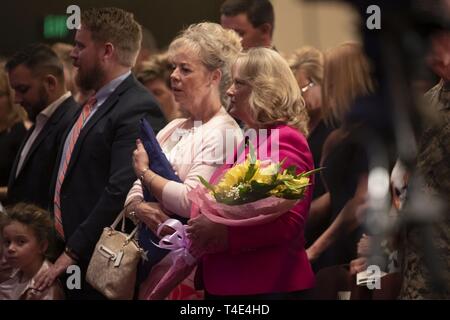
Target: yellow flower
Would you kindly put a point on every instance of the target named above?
(270, 170)
(232, 178)
(236, 184)
(264, 175)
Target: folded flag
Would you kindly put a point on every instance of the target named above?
(161, 166)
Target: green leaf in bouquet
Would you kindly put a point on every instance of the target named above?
(309, 173)
(252, 166)
(295, 184)
(248, 192)
(275, 177)
(227, 200)
(250, 197)
(291, 170)
(252, 152)
(206, 184)
(292, 195)
(250, 172)
(278, 169)
(262, 188)
(244, 189)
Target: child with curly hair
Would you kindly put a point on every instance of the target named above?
(26, 232)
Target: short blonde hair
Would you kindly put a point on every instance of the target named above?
(310, 60)
(118, 27)
(275, 97)
(216, 47)
(347, 76)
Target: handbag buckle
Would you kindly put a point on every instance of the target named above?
(107, 253)
(118, 259)
(110, 255)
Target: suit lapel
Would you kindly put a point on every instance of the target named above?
(12, 174)
(51, 123)
(102, 110)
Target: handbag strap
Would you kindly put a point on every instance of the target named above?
(122, 217)
(116, 222)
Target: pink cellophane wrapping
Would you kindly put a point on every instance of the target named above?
(253, 213)
(175, 267)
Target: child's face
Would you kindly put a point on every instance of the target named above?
(20, 245)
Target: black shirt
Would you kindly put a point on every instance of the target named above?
(316, 140)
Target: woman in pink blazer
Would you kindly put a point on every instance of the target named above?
(264, 261)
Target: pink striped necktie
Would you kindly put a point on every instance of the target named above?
(87, 109)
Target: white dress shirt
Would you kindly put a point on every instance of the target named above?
(41, 121)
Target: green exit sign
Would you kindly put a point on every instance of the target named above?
(55, 26)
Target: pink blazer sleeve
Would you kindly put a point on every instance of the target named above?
(294, 147)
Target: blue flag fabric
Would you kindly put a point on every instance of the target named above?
(161, 166)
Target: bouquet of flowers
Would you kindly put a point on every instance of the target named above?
(252, 192)
(249, 193)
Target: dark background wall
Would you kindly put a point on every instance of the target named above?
(21, 21)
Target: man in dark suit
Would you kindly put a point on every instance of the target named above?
(37, 77)
(95, 170)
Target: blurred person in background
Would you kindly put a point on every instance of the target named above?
(425, 276)
(307, 65)
(347, 83)
(63, 50)
(155, 76)
(148, 48)
(253, 20)
(13, 129)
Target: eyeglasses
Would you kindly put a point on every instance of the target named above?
(309, 85)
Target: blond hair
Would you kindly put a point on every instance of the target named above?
(310, 60)
(216, 47)
(118, 27)
(347, 76)
(63, 51)
(275, 97)
(157, 67)
(15, 112)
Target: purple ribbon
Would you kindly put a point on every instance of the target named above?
(176, 242)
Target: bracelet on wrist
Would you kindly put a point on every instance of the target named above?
(142, 176)
(149, 181)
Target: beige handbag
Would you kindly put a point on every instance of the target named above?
(113, 265)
